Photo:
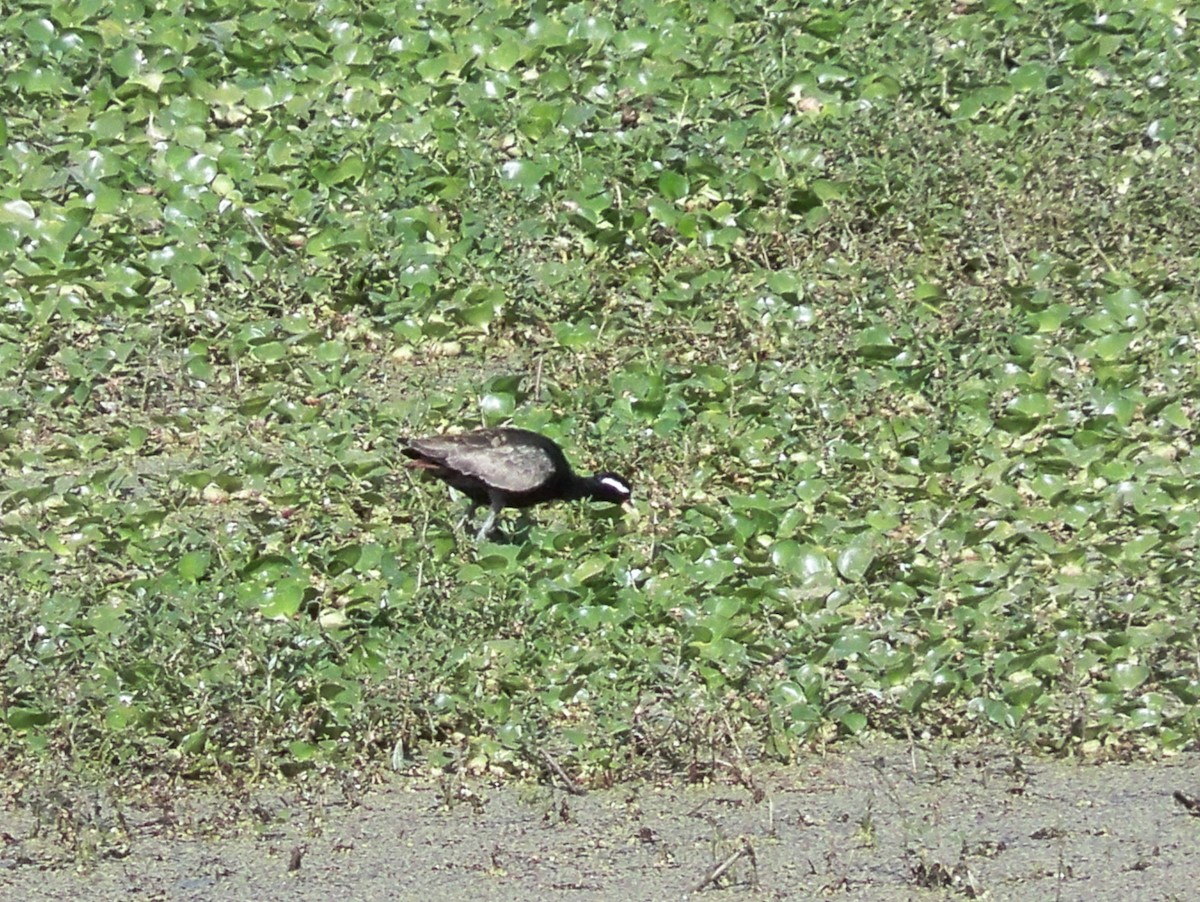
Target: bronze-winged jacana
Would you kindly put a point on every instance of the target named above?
(507, 467)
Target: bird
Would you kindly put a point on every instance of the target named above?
(508, 467)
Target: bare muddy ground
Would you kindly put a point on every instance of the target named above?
(881, 824)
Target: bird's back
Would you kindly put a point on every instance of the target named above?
(516, 462)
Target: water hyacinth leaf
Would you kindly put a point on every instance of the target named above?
(1051, 319)
(1113, 346)
(1033, 405)
(849, 644)
(590, 567)
(195, 742)
(24, 718)
(186, 278)
(876, 343)
(1127, 306)
(825, 24)
(496, 407)
(1049, 485)
(802, 560)
(854, 722)
(711, 568)
(261, 97)
(198, 169)
(193, 565)
(997, 711)
(898, 357)
(484, 311)
(136, 437)
(302, 751)
(1176, 415)
(1163, 130)
(855, 559)
(663, 211)
(505, 55)
(348, 169)
(280, 599)
(1029, 77)
(575, 335)
(673, 185)
(17, 212)
(333, 619)
(330, 351)
(1127, 675)
(593, 28)
(539, 120)
(1122, 410)
(524, 174)
(1137, 548)
(270, 352)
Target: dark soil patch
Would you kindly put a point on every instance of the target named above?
(883, 824)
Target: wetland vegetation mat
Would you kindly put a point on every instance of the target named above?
(883, 824)
(888, 311)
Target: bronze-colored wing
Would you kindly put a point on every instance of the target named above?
(488, 455)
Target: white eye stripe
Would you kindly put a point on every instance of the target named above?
(616, 485)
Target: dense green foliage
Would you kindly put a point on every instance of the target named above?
(888, 311)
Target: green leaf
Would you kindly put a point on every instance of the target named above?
(673, 186)
(853, 721)
(855, 559)
(1049, 485)
(280, 600)
(198, 169)
(1032, 404)
(1128, 676)
(349, 169)
(1175, 415)
(17, 211)
(505, 55)
(20, 718)
(496, 407)
(302, 751)
(270, 352)
(1112, 346)
(193, 565)
(575, 334)
(1029, 77)
(522, 174)
(876, 343)
(590, 567)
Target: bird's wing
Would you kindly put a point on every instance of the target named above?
(486, 456)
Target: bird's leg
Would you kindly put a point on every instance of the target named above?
(490, 523)
(467, 514)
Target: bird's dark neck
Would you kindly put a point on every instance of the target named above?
(578, 487)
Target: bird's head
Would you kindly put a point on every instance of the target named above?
(611, 487)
